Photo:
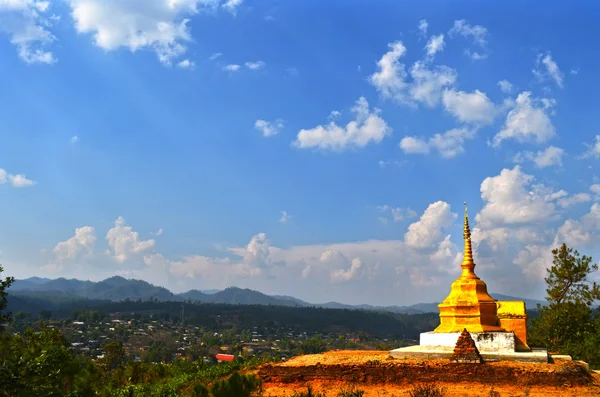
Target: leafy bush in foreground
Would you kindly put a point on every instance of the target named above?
(427, 390)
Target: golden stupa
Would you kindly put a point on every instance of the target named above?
(469, 305)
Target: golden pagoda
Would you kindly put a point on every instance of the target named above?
(469, 306)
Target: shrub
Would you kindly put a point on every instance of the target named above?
(494, 393)
(427, 390)
(351, 392)
(237, 386)
(308, 393)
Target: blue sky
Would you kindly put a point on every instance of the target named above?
(321, 149)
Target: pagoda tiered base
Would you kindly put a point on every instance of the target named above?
(492, 346)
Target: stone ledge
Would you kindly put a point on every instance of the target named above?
(444, 353)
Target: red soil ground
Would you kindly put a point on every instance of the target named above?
(379, 375)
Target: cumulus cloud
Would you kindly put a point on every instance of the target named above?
(367, 127)
(255, 65)
(435, 45)
(423, 25)
(546, 68)
(391, 79)
(513, 198)
(527, 121)
(82, 242)
(232, 6)
(27, 23)
(427, 231)
(595, 188)
(186, 64)
(505, 86)
(125, 243)
(593, 149)
(72, 249)
(473, 107)
(584, 232)
(548, 157)
(269, 128)
(232, 67)
(578, 198)
(159, 25)
(448, 144)
(16, 180)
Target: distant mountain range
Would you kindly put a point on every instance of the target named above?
(118, 289)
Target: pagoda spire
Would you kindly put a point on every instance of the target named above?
(467, 265)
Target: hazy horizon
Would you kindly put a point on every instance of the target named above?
(310, 149)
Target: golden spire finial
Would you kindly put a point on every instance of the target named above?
(468, 265)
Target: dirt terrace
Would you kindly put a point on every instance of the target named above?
(375, 370)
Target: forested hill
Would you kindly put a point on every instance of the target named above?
(61, 291)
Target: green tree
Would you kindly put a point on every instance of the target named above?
(314, 345)
(114, 355)
(568, 278)
(4, 285)
(237, 386)
(568, 323)
(36, 364)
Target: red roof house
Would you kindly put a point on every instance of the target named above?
(225, 357)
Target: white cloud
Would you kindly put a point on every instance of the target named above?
(255, 65)
(427, 231)
(505, 86)
(159, 232)
(269, 128)
(574, 71)
(423, 25)
(584, 232)
(511, 198)
(593, 149)
(448, 145)
(527, 121)
(551, 69)
(186, 64)
(232, 67)
(428, 83)
(367, 127)
(390, 79)
(435, 45)
(548, 157)
(477, 33)
(285, 217)
(159, 25)
(18, 180)
(396, 214)
(596, 190)
(215, 56)
(384, 164)
(414, 145)
(473, 107)
(26, 24)
(475, 56)
(81, 243)
(575, 199)
(232, 6)
(74, 140)
(125, 243)
(344, 275)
